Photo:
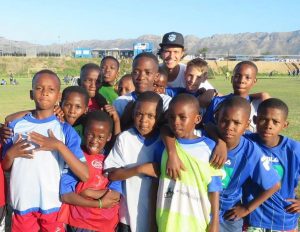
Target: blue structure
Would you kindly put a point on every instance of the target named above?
(142, 47)
(83, 53)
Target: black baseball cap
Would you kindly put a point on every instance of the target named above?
(172, 39)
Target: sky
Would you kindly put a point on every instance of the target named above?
(61, 21)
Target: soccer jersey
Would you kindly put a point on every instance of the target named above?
(215, 104)
(109, 93)
(137, 205)
(99, 219)
(34, 183)
(180, 80)
(121, 102)
(243, 162)
(183, 205)
(285, 159)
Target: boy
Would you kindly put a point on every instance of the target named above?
(133, 159)
(89, 80)
(37, 152)
(93, 205)
(281, 211)
(245, 161)
(109, 67)
(144, 71)
(171, 52)
(125, 85)
(160, 83)
(186, 204)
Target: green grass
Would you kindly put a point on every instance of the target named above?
(16, 98)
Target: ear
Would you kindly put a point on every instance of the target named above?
(109, 138)
(198, 119)
(31, 94)
(286, 124)
(86, 110)
(248, 123)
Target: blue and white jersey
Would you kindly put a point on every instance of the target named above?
(121, 102)
(285, 159)
(34, 183)
(246, 161)
(132, 149)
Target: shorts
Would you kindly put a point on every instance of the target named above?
(257, 229)
(75, 229)
(35, 222)
(231, 226)
(123, 228)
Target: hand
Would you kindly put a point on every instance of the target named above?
(174, 166)
(20, 149)
(59, 113)
(45, 143)
(112, 112)
(5, 133)
(149, 169)
(110, 199)
(219, 155)
(237, 212)
(294, 207)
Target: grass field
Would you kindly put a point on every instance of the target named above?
(15, 98)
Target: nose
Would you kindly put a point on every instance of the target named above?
(72, 109)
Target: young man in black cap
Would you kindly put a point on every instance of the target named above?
(171, 52)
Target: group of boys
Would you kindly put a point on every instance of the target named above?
(150, 159)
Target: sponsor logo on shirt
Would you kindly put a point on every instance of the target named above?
(97, 164)
(266, 162)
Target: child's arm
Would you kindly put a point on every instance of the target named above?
(114, 115)
(149, 169)
(240, 211)
(214, 202)
(50, 143)
(174, 164)
(18, 149)
(206, 97)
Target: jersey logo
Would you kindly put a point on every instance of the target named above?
(97, 164)
(228, 162)
(172, 37)
(169, 193)
(266, 162)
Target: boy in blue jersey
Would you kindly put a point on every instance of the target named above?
(281, 211)
(40, 149)
(245, 161)
(192, 201)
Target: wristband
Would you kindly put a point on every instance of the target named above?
(100, 203)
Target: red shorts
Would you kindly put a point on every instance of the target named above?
(35, 222)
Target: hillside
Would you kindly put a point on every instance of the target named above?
(276, 43)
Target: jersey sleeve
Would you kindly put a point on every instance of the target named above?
(68, 182)
(116, 186)
(262, 172)
(215, 185)
(115, 159)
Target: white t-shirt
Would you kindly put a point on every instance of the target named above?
(130, 150)
(121, 102)
(180, 80)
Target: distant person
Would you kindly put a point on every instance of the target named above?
(109, 71)
(227, 75)
(171, 52)
(11, 78)
(125, 85)
(3, 82)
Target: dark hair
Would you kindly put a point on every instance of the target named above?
(146, 55)
(186, 99)
(235, 102)
(274, 103)
(112, 58)
(99, 116)
(246, 62)
(87, 67)
(150, 96)
(76, 89)
(162, 71)
(44, 71)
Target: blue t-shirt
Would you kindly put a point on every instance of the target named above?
(285, 159)
(246, 161)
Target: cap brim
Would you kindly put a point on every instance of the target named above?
(170, 45)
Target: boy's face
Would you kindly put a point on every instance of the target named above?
(125, 86)
(171, 56)
(160, 84)
(193, 78)
(144, 117)
(73, 107)
(96, 135)
(243, 80)
(144, 71)
(91, 82)
(269, 123)
(182, 120)
(45, 91)
(109, 71)
(232, 123)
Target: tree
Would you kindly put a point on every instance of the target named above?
(203, 51)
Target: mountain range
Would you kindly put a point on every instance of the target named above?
(259, 43)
